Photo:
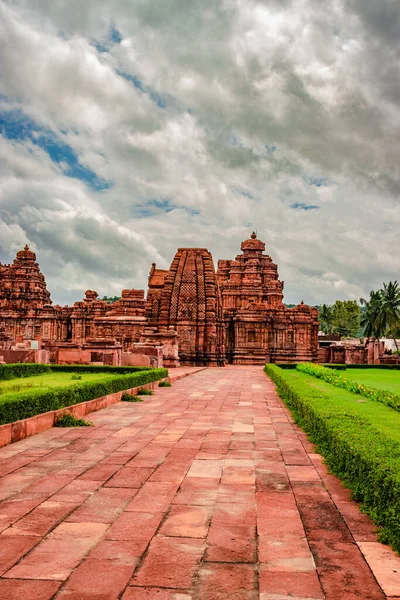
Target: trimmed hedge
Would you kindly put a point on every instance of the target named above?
(366, 460)
(334, 378)
(18, 370)
(96, 369)
(23, 405)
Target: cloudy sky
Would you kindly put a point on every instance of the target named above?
(131, 128)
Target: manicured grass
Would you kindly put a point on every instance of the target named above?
(381, 379)
(45, 382)
(359, 439)
(25, 402)
(380, 416)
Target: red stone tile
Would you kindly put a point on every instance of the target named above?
(385, 565)
(361, 527)
(231, 543)
(103, 506)
(50, 483)
(169, 474)
(187, 521)
(322, 520)
(146, 593)
(343, 571)
(285, 553)
(170, 562)
(134, 526)
(103, 579)
(282, 585)
(15, 508)
(153, 497)
(42, 519)
(235, 514)
(100, 472)
(226, 582)
(273, 478)
(236, 493)
(17, 589)
(129, 477)
(206, 468)
(59, 553)
(12, 548)
(118, 551)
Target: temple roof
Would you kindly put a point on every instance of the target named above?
(253, 244)
(26, 254)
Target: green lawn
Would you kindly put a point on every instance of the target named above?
(382, 417)
(376, 378)
(45, 382)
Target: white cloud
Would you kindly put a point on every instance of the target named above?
(240, 111)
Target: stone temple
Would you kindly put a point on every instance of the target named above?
(192, 315)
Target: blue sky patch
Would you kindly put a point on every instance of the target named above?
(15, 125)
(317, 181)
(156, 206)
(157, 98)
(244, 193)
(113, 37)
(270, 149)
(303, 206)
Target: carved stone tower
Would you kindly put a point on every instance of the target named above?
(189, 300)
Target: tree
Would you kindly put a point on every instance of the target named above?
(346, 317)
(371, 321)
(326, 319)
(390, 309)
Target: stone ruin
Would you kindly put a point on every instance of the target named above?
(192, 315)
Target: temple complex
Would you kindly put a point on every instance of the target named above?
(259, 327)
(192, 315)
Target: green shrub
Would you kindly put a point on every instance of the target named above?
(22, 405)
(76, 376)
(130, 398)
(14, 371)
(165, 384)
(334, 378)
(145, 392)
(96, 369)
(362, 456)
(71, 421)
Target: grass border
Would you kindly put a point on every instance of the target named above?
(365, 460)
(33, 402)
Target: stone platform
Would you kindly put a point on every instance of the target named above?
(205, 491)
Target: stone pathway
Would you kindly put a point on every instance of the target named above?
(206, 491)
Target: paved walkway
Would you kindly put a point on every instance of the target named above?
(206, 491)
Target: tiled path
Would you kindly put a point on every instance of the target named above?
(206, 491)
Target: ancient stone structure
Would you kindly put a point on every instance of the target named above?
(259, 327)
(187, 298)
(192, 315)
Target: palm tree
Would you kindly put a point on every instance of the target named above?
(390, 308)
(371, 319)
